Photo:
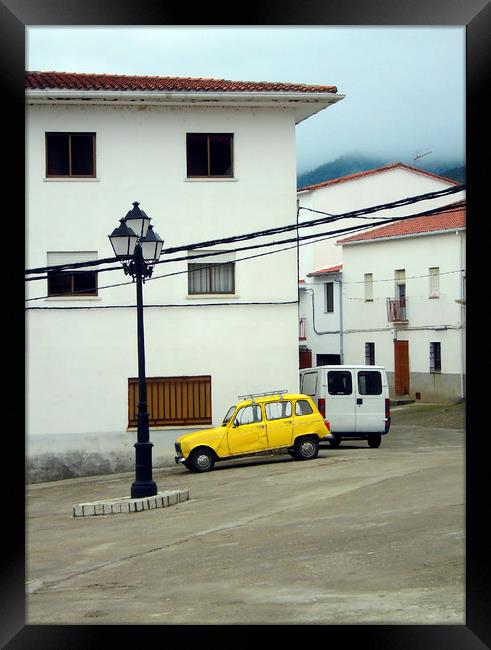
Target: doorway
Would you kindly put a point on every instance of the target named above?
(401, 367)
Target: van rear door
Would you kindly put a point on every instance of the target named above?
(341, 401)
(370, 401)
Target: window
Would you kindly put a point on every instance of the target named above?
(209, 155)
(435, 357)
(368, 286)
(70, 154)
(339, 382)
(369, 354)
(76, 282)
(329, 297)
(278, 410)
(302, 407)
(249, 415)
(369, 382)
(434, 277)
(309, 383)
(211, 277)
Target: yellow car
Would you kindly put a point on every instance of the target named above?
(259, 424)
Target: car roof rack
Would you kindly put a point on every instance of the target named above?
(271, 392)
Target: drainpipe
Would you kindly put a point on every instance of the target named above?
(462, 317)
(341, 344)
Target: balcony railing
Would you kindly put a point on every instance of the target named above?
(301, 329)
(397, 310)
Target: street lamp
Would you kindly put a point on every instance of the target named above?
(137, 246)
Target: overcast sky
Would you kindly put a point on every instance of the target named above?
(404, 86)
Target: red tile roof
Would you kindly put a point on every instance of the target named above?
(369, 172)
(452, 218)
(96, 81)
(331, 269)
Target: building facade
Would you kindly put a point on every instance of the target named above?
(321, 263)
(206, 159)
(404, 298)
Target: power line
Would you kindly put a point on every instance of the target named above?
(279, 229)
(313, 239)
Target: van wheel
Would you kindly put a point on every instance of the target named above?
(306, 448)
(200, 460)
(335, 442)
(374, 441)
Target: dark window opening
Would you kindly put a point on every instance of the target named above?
(209, 154)
(82, 283)
(370, 354)
(70, 154)
(329, 297)
(435, 357)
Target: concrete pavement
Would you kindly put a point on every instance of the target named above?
(358, 535)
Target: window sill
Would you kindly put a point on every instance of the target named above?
(211, 179)
(213, 296)
(70, 298)
(70, 179)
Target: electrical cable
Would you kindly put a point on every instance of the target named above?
(279, 229)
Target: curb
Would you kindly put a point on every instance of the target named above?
(128, 505)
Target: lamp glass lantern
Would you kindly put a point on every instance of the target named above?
(137, 220)
(123, 240)
(151, 245)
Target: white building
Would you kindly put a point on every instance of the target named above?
(321, 264)
(206, 159)
(404, 304)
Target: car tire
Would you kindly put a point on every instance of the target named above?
(200, 460)
(374, 441)
(306, 448)
(335, 442)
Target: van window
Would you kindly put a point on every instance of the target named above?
(339, 382)
(302, 407)
(309, 383)
(369, 382)
(278, 410)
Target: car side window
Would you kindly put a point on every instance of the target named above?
(302, 407)
(339, 382)
(309, 383)
(249, 414)
(369, 382)
(278, 410)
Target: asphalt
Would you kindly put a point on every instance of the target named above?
(357, 535)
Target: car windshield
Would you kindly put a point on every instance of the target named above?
(229, 414)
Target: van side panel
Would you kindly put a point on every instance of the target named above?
(371, 391)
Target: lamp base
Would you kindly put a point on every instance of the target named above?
(141, 489)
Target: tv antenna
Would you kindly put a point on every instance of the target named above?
(420, 156)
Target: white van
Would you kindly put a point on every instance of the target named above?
(354, 399)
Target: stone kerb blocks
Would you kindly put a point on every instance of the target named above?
(128, 505)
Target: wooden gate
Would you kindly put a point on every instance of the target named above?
(401, 367)
(305, 359)
(172, 401)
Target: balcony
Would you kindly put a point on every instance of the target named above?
(397, 310)
(301, 329)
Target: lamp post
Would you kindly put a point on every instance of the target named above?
(137, 246)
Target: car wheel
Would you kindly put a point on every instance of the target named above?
(200, 460)
(374, 441)
(306, 448)
(335, 442)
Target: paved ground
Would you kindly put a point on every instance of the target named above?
(358, 535)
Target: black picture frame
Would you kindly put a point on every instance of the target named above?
(475, 15)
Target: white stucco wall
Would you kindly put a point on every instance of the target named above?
(366, 191)
(429, 319)
(79, 360)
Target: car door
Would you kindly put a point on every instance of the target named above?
(279, 423)
(340, 401)
(370, 402)
(247, 433)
